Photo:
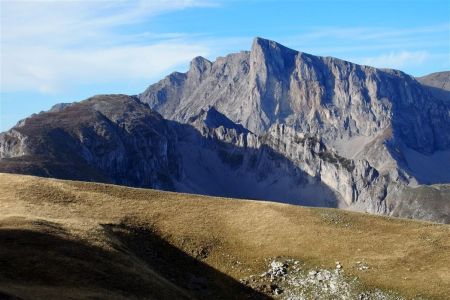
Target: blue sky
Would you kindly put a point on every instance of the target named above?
(63, 51)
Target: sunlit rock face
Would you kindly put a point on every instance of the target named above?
(339, 101)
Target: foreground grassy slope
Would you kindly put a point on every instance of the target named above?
(87, 240)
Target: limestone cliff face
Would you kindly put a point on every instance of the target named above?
(351, 181)
(324, 96)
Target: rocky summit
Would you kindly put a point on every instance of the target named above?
(271, 123)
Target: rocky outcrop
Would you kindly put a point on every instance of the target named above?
(229, 161)
(304, 157)
(291, 279)
(355, 180)
(110, 138)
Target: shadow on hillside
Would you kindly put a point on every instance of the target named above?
(191, 274)
(144, 267)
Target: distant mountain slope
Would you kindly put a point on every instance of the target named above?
(438, 84)
(270, 124)
(111, 138)
(101, 241)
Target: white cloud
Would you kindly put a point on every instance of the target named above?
(396, 60)
(49, 70)
(49, 45)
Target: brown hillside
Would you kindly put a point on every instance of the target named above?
(75, 240)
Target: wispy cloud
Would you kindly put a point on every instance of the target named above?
(388, 47)
(371, 33)
(46, 45)
(48, 70)
(396, 60)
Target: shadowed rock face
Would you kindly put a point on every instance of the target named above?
(109, 138)
(438, 84)
(272, 123)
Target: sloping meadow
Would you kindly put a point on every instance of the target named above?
(95, 240)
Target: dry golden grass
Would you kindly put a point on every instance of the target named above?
(236, 237)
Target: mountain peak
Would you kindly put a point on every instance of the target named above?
(200, 64)
(260, 41)
(213, 118)
(269, 46)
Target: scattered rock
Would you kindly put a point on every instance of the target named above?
(285, 280)
(277, 269)
(361, 266)
(276, 290)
